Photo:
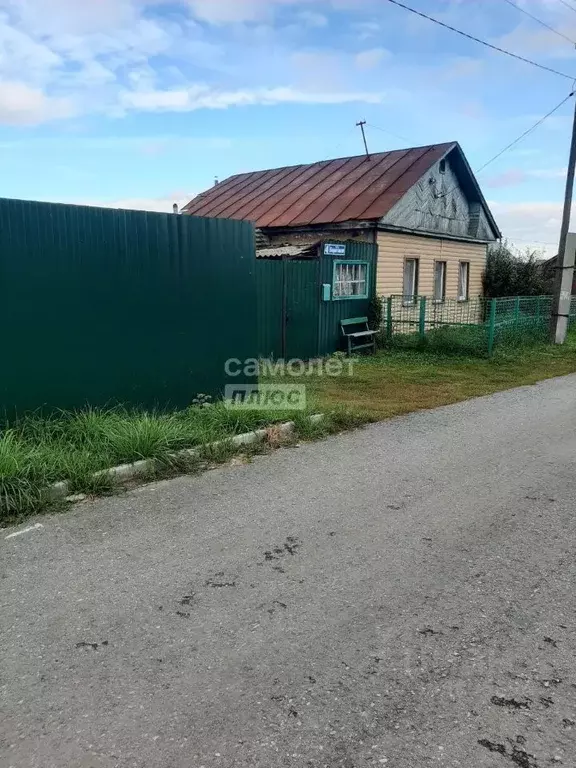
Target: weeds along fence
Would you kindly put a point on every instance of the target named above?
(474, 327)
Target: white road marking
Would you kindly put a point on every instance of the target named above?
(24, 530)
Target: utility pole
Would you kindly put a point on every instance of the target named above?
(565, 260)
(361, 125)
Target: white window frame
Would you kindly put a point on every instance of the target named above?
(410, 291)
(466, 295)
(351, 279)
(439, 281)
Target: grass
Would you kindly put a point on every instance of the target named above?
(394, 382)
(38, 451)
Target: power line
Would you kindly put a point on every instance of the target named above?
(396, 135)
(516, 141)
(542, 23)
(523, 135)
(568, 5)
(482, 42)
(507, 147)
(531, 242)
(340, 144)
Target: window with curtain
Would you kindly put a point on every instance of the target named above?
(439, 280)
(351, 280)
(464, 281)
(410, 289)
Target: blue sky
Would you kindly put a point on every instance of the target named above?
(140, 103)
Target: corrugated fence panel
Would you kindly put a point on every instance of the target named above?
(332, 312)
(102, 306)
(302, 308)
(288, 307)
(269, 280)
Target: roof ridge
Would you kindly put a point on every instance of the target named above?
(333, 191)
(345, 157)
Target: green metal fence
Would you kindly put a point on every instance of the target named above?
(102, 306)
(476, 326)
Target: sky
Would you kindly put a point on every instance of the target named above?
(143, 103)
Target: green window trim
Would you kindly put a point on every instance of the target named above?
(351, 262)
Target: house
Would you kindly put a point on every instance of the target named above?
(548, 271)
(422, 206)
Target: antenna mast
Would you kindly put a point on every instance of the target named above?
(361, 125)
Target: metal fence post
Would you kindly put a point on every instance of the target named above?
(389, 330)
(516, 308)
(491, 327)
(422, 319)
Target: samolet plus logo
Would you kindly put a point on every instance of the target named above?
(286, 397)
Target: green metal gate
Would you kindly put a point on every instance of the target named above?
(288, 307)
(302, 308)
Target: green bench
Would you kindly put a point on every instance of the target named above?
(357, 334)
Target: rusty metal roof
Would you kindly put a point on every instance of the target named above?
(347, 189)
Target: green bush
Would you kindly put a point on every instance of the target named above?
(375, 313)
(514, 274)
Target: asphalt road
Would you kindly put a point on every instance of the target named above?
(401, 595)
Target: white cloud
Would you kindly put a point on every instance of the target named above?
(159, 204)
(22, 105)
(512, 177)
(236, 11)
(462, 66)
(61, 17)
(530, 38)
(548, 173)
(313, 19)
(367, 29)
(509, 178)
(535, 225)
(328, 70)
(21, 54)
(157, 100)
(230, 11)
(204, 97)
(372, 58)
(526, 40)
(109, 56)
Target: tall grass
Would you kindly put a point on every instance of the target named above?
(466, 340)
(37, 451)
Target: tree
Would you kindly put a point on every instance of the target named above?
(515, 274)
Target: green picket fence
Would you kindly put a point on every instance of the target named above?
(476, 326)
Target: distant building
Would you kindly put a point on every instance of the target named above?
(548, 268)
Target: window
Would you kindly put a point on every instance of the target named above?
(410, 289)
(439, 280)
(464, 281)
(350, 280)
(442, 166)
